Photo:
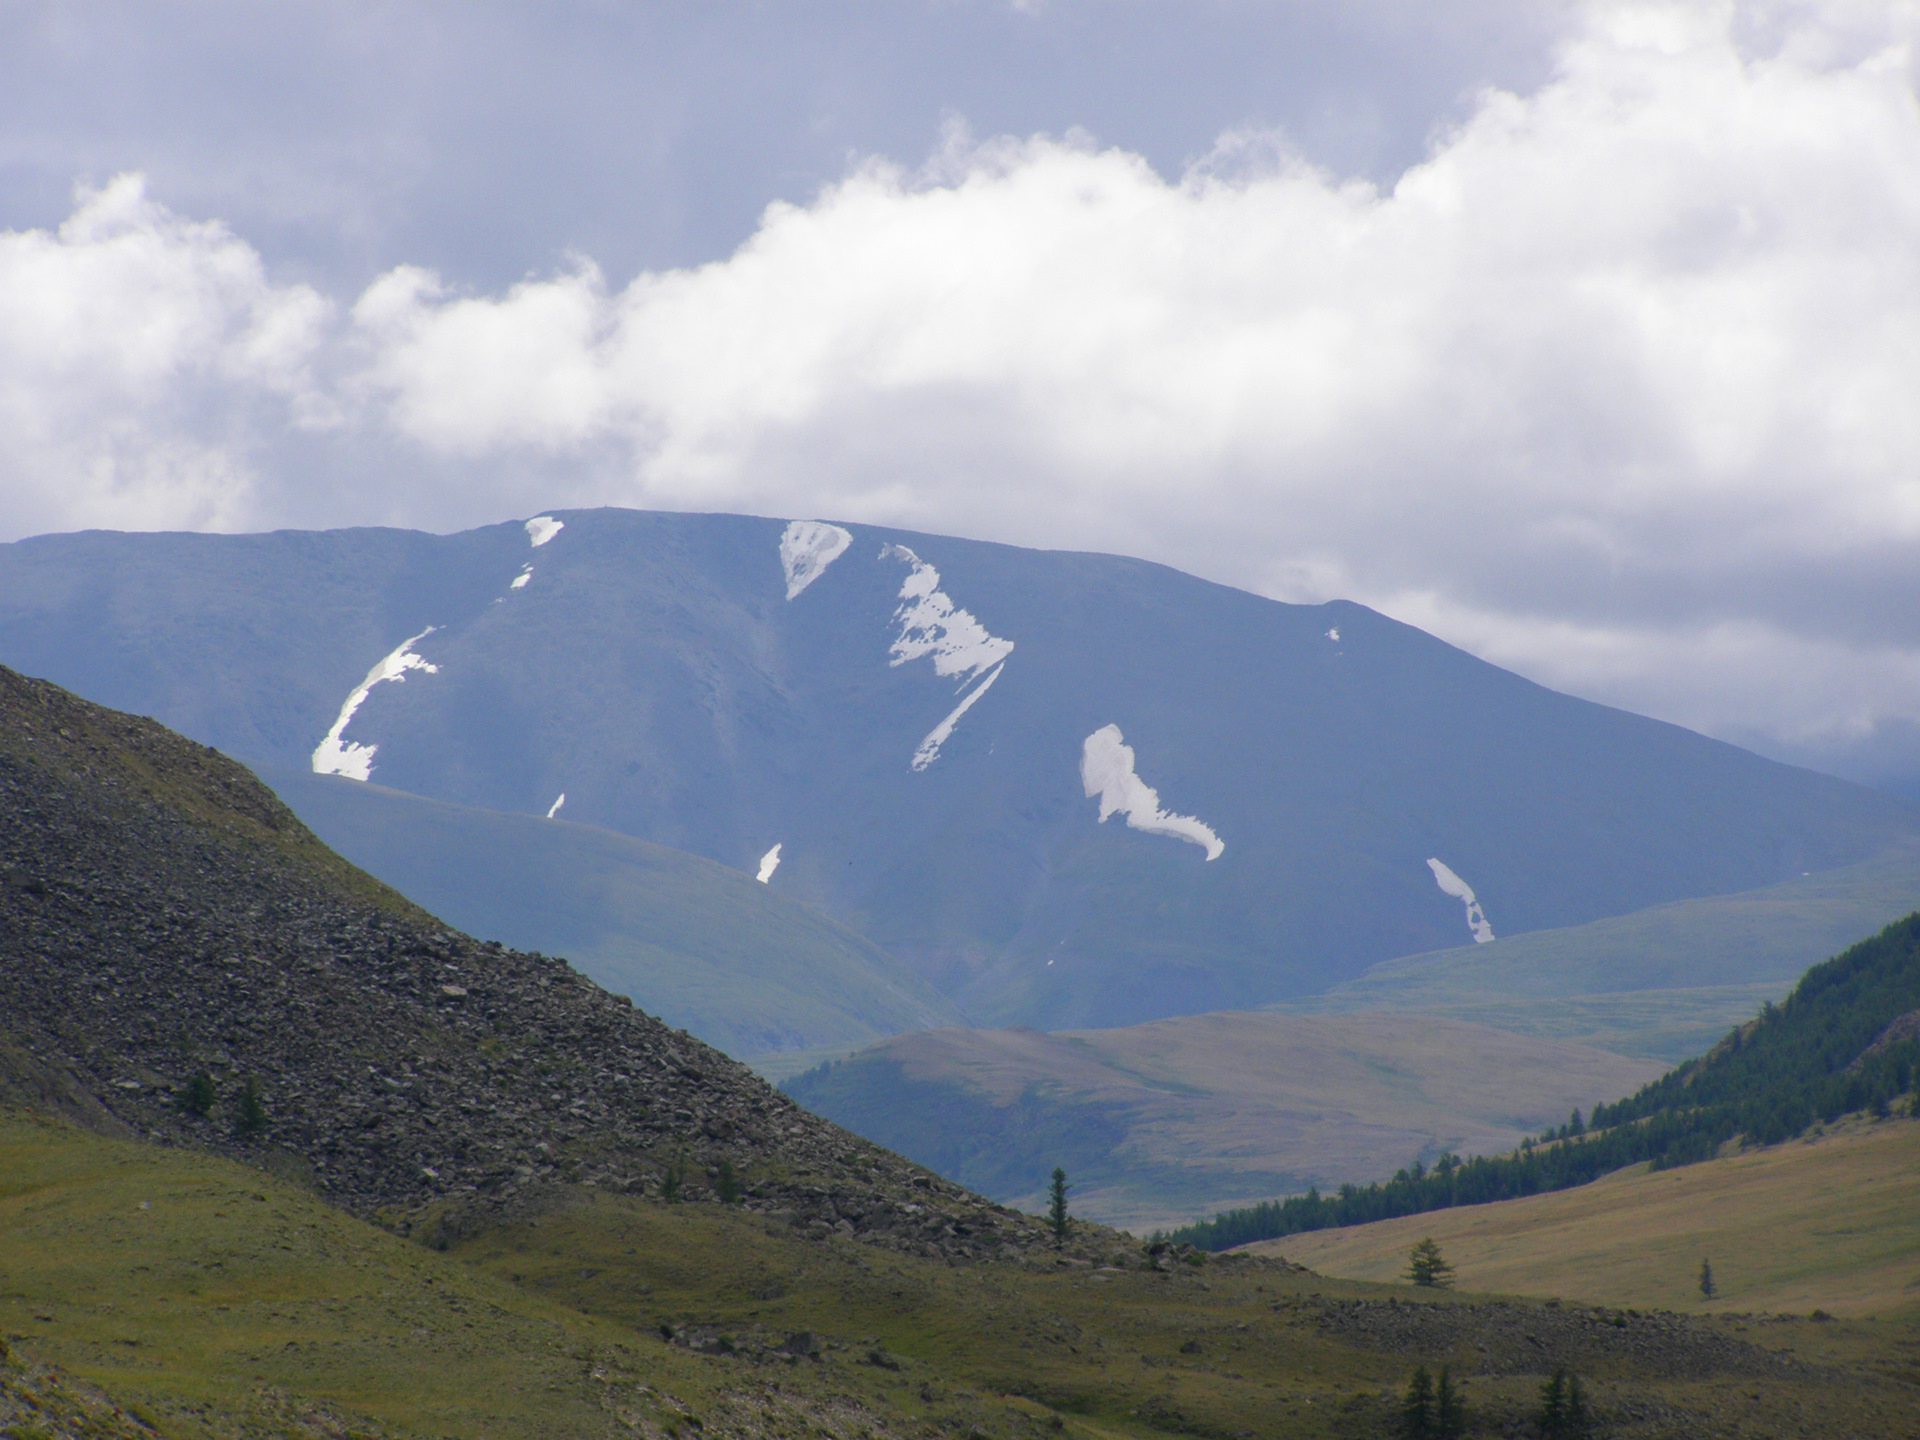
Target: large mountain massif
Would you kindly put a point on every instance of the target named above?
(1044, 788)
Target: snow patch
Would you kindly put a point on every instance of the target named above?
(807, 547)
(1106, 770)
(554, 809)
(931, 624)
(1453, 885)
(337, 756)
(520, 580)
(1334, 633)
(543, 528)
(929, 750)
(769, 863)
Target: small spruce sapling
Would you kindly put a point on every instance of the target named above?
(1427, 1266)
(197, 1095)
(1449, 1409)
(250, 1118)
(727, 1184)
(1416, 1410)
(1707, 1288)
(1057, 1206)
(670, 1184)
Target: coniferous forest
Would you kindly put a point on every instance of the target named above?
(1826, 1051)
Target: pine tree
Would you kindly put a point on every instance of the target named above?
(196, 1097)
(1057, 1206)
(1576, 1407)
(727, 1185)
(1553, 1404)
(1707, 1288)
(251, 1118)
(1416, 1411)
(1426, 1265)
(1449, 1409)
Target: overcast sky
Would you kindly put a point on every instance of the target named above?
(1586, 336)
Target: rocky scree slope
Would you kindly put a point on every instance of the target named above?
(164, 918)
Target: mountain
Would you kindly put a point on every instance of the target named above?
(292, 1077)
(1847, 1039)
(181, 959)
(1061, 789)
(698, 943)
(1161, 1121)
(1664, 982)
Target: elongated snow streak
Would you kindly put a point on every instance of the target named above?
(929, 750)
(769, 863)
(336, 756)
(522, 578)
(1106, 770)
(807, 547)
(1453, 885)
(543, 528)
(554, 809)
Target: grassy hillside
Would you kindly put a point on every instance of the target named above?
(704, 946)
(213, 1301)
(1847, 1038)
(1156, 1121)
(1665, 982)
(1827, 1222)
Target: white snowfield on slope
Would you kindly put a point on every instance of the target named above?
(1453, 885)
(807, 548)
(337, 756)
(1106, 770)
(931, 624)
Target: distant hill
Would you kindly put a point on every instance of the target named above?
(1061, 789)
(1154, 1122)
(697, 943)
(181, 959)
(1847, 1039)
(1825, 1224)
(1664, 982)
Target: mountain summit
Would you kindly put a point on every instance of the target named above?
(1058, 789)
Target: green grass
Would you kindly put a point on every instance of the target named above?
(232, 1304)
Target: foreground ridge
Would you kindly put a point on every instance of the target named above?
(182, 961)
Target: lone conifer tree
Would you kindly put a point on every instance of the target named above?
(1706, 1280)
(1563, 1408)
(1416, 1411)
(1427, 1266)
(1449, 1409)
(250, 1118)
(1057, 1206)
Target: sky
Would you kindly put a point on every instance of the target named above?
(1583, 335)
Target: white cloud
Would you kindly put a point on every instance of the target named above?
(139, 353)
(1616, 388)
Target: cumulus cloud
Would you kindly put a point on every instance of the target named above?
(1615, 388)
(140, 356)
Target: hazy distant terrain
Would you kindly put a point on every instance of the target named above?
(1055, 789)
(1161, 1122)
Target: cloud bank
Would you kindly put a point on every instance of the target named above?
(1615, 388)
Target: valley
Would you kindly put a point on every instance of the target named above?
(1162, 1122)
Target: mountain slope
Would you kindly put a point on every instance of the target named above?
(933, 732)
(1156, 1122)
(701, 945)
(1846, 1039)
(1825, 1224)
(178, 951)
